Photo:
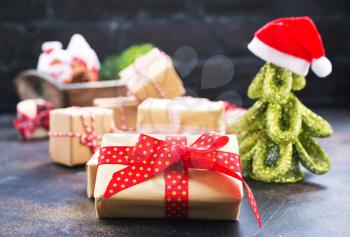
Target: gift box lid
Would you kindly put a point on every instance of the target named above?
(77, 111)
(115, 101)
(182, 104)
(29, 107)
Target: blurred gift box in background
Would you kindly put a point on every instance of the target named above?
(207, 40)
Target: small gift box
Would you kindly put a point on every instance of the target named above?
(124, 108)
(32, 119)
(170, 176)
(75, 133)
(91, 170)
(190, 115)
(152, 75)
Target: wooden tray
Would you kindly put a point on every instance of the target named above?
(33, 84)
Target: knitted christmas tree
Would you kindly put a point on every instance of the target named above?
(276, 134)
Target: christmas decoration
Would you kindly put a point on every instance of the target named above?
(112, 65)
(190, 115)
(32, 118)
(77, 63)
(76, 132)
(293, 43)
(152, 75)
(140, 165)
(276, 134)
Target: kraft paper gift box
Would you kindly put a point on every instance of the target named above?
(152, 75)
(191, 116)
(91, 170)
(75, 133)
(211, 195)
(124, 108)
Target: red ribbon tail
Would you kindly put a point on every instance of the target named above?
(253, 203)
(108, 194)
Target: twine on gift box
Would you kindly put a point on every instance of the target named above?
(174, 116)
(124, 126)
(89, 139)
(142, 65)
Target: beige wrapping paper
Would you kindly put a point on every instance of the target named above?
(91, 170)
(191, 116)
(212, 195)
(153, 68)
(68, 150)
(121, 106)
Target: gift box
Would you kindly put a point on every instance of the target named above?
(32, 120)
(75, 133)
(124, 109)
(91, 170)
(170, 176)
(192, 116)
(152, 75)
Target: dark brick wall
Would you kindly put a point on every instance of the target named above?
(211, 27)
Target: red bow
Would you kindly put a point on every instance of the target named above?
(150, 156)
(26, 125)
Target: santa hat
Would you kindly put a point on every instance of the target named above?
(293, 43)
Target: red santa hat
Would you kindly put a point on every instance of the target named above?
(293, 43)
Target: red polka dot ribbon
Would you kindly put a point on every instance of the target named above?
(150, 156)
(26, 125)
(176, 185)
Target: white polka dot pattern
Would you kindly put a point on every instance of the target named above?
(176, 185)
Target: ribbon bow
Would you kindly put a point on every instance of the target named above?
(26, 125)
(150, 156)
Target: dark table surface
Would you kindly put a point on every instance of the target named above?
(40, 198)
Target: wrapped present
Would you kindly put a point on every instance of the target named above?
(170, 176)
(152, 75)
(124, 108)
(32, 119)
(91, 170)
(77, 63)
(191, 115)
(75, 133)
(232, 114)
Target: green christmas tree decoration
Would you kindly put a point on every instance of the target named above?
(276, 134)
(114, 64)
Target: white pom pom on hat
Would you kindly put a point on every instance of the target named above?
(293, 43)
(322, 67)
